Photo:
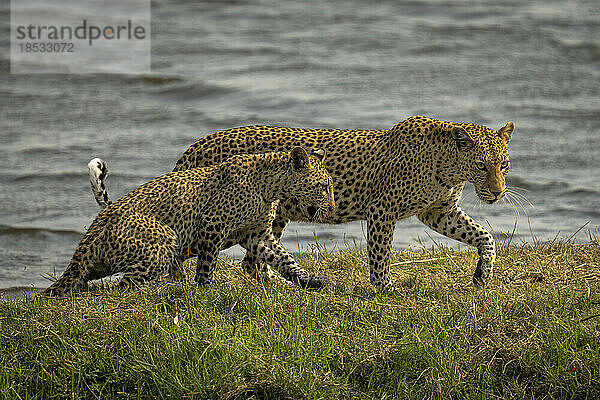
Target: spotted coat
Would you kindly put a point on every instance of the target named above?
(418, 167)
(193, 212)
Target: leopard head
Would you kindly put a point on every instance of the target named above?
(483, 158)
(312, 186)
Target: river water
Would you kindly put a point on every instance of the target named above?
(336, 64)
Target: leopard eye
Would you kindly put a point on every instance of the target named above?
(504, 165)
(481, 166)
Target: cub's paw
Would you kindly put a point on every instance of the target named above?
(312, 282)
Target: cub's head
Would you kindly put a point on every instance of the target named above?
(483, 158)
(312, 186)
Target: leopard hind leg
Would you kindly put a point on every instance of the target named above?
(75, 277)
(152, 252)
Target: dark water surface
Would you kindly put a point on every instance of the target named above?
(341, 64)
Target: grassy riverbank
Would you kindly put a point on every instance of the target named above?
(535, 332)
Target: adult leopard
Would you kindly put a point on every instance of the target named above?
(418, 167)
(157, 226)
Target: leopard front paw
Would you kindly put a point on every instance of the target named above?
(483, 273)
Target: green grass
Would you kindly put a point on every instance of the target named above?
(534, 333)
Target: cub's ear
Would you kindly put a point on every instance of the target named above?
(299, 159)
(506, 131)
(461, 137)
(318, 153)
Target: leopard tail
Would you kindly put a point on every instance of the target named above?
(98, 174)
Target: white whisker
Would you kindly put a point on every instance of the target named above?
(518, 189)
(506, 199)
(520, 196)
(518, 200)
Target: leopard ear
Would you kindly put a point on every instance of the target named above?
(318, 153)
(461, 137)
(299, 159)
(506, 131)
